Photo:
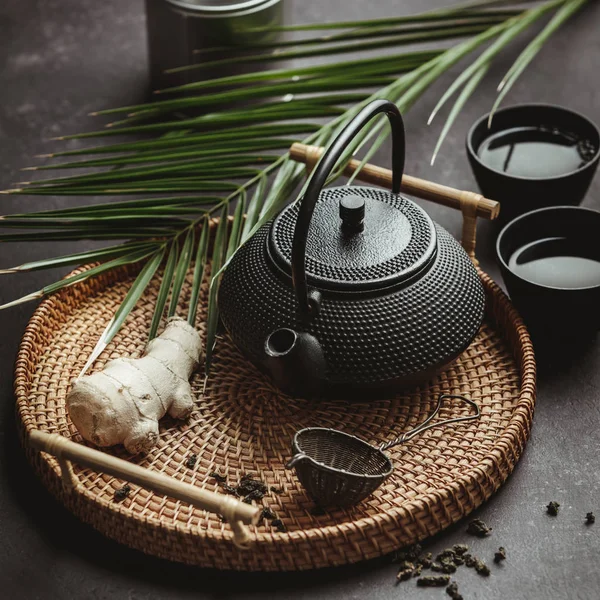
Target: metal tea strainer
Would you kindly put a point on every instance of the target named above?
(338, 469)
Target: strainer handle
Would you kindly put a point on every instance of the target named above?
(427, 424)
(319, 178)
(298, 457)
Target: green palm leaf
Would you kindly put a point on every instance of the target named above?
(133, 295)
(225, 140)
(199, 270)
(127, 259)
(218, 254)
(80, 257)
(565, 12)
(183, 264)
(163, 292)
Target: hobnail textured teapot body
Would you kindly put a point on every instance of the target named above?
(395, 337)
(353, 289)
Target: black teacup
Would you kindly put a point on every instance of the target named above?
(550, 263)
(518, 193)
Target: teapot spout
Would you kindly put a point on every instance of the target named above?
(295, 361)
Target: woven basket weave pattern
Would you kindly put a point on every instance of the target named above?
(243, 424)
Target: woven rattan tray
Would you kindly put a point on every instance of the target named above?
(242, 424)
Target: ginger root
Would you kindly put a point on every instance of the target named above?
(123, 403)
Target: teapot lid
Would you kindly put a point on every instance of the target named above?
(359, 238)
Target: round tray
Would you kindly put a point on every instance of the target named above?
(243, 425)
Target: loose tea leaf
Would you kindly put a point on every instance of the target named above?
(254, 495)
(248, 489)
(251, 487)
(452, 591)
(229, 489)
(460, 549)
(552, 508)
(279, 525)
(405, 571)
(590, 519)
(446, 555)
(190, 463)
(478, 528)
(411, 553)
(122, 493)
(470, 560)
(500, 555)
(276, 490)
(219, 478)
(425, 560)
(443, 567)
(482, 568)
(267, 513)
(433, 581)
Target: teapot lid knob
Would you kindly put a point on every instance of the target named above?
(352, 212)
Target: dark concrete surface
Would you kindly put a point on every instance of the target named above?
(60, 59)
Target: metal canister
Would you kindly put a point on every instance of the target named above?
(179, 30)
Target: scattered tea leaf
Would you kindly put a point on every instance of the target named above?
(279, 525)
(405, 571)
(445, 555)
(122, 493)
(552, 508)
(470, 560)
(251, 487)
(590, 519)
(229, 489)
(478, 528)
(500, 555)
(425, 560)
(267, 513)
(411, 553)
(482, 568)
(190, 463)
(219, 478)
(452, 591)
(433, 581)
(444, 567)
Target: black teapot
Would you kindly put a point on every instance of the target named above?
(354, 288)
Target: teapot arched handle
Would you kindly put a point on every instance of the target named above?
(319, 177)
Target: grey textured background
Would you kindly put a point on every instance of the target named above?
(60, 59)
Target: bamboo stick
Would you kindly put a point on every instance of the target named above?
(238, 514)
(427, 190)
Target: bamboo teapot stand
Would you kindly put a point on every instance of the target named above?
(243, 425)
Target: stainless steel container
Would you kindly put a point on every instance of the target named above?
(177, 29)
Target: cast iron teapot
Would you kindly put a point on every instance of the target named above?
(354, 288)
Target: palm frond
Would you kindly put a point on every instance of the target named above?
(225, 140)
(565, 12)
(163, 292)
(218, 253)
(199, 270)
(133, 295)
(183, 265)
